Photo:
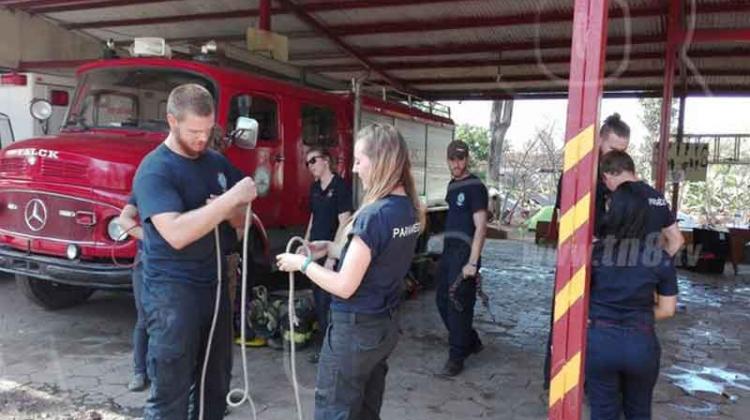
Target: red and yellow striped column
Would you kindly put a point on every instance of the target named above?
(576, 209)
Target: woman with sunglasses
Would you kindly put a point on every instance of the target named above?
(368, 282)
(330, 207)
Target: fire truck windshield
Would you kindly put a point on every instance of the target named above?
(134, 98)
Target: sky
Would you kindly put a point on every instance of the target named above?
(703, 115)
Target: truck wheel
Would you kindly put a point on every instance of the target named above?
(51, 295)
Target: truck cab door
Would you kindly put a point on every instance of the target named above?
(265, 162)
(6, 131)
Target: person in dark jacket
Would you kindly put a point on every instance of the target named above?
(330, 207)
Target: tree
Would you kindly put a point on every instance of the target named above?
(532, 169)
(650, 117)
(500, 119)
(478, 139)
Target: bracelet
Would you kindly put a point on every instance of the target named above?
(305, 264)
(474, 265)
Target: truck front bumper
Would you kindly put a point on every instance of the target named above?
(61, 270)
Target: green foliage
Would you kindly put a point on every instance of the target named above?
(651, 118)
(478, 139)
(725, 191)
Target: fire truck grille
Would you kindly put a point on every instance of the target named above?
(57, 169)
(47, 216)
(13, 168)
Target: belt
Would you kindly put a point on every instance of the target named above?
(601, 323)
(358, 318)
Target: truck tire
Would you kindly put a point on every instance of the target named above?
(50, 295)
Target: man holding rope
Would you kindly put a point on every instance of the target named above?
(183, 192)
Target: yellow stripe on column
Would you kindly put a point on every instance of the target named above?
(570, 293)
(574, 218)
(565, 380)
(578, 147)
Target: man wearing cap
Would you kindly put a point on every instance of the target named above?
(465, 230)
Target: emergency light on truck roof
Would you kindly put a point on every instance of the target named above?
(13, 79)
(150, 47)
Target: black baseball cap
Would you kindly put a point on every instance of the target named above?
(457, 149)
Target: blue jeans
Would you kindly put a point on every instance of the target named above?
(140, 337)
(178, 319)
(462, 337)
(353, 365)
(622, 366)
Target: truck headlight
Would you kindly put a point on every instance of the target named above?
(115, 231)
(73, 252)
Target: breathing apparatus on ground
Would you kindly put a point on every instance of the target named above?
(236, 397)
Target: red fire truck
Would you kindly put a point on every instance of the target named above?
(60, 194)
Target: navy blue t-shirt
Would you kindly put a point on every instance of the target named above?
(659, 214)
(389, 227)
(624, 279)
(326, 205)
(464, 197)
(169, 183)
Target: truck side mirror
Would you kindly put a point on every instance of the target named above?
(245, 134)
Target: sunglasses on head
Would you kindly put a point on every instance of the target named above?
(312, 160)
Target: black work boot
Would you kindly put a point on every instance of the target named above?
(452, 368)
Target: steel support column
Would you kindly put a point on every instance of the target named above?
(680, 133)
(674, 37)
(578, 194)
(264, 20)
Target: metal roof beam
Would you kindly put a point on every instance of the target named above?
(619, 92)
(301, 14)
(525, 61)
(465, 22)
(376, 27)
(718, 35)
(481, 62)
(403, 25)
(29, 4)
(480, 47)
(230, 14)
(72, 6)
(539, 77)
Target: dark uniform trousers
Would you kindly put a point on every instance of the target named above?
(140, 337)
(353, 365)
(462, 337)
(178, 319)
(622, 366)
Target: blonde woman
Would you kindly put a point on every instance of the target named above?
(379, 246)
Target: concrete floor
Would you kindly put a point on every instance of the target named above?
(74, 364)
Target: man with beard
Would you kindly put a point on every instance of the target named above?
(465, 230)
(183, 191)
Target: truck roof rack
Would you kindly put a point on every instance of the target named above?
(388, 93)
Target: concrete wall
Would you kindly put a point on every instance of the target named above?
(28, 38)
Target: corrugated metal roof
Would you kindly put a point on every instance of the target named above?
(434, 46)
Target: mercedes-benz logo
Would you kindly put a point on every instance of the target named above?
(35, 214)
